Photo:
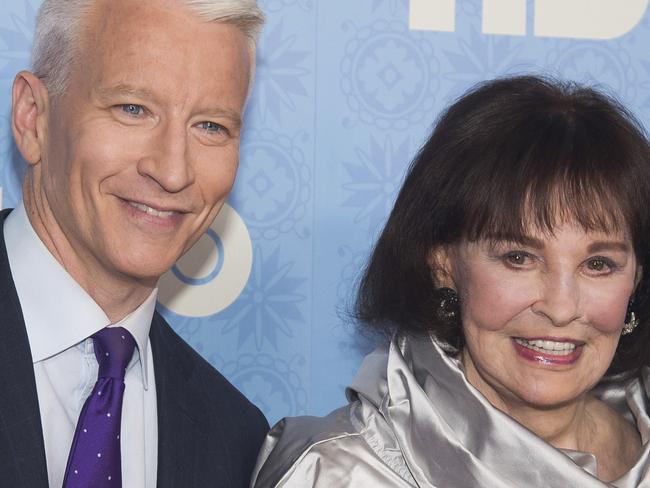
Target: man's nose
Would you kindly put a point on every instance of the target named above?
(559, 298)
(167, 160)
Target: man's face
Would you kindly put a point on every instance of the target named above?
(142, 149)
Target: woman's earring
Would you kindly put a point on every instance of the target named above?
(630, 320)
(448, 309)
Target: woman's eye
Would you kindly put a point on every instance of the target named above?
(132, 109)
(517, 258)
(599, 264)
(596, 264)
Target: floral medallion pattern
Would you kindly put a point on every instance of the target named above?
(273, 184)
(389, 76)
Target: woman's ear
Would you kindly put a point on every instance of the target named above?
(29, 115)
(440, 264)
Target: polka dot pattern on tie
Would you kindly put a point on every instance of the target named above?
(95, 457)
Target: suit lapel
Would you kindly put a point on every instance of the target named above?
(22, 452)
(180, 413)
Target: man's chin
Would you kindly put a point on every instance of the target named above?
(144, 272)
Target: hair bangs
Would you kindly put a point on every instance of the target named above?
(565, 173)
(542, 209)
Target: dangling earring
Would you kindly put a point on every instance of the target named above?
(448, 309)
(630, 320)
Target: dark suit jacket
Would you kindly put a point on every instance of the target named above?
(208, 433)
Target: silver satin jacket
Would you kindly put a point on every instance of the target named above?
(414, 421)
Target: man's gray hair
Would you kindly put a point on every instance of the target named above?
(57, 37)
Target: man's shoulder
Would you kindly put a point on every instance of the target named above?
(221, 396)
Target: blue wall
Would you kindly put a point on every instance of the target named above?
(345, 94)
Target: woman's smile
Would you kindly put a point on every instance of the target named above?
(548, 351)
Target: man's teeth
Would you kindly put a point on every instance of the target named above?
(152, 211)
(548, 347)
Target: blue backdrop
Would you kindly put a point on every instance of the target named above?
(346, 92)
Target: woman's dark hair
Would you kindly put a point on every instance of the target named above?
(511, 155)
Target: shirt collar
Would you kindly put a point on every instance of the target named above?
(138, 324)
(58, 312)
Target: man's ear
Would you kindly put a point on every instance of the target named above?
(29, 115)
(439, 260)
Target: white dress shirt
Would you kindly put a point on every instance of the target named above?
(60, 317)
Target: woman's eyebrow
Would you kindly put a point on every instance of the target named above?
(533, 242)
(599, 246)
(527, 241)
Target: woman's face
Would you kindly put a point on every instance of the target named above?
(542, 318)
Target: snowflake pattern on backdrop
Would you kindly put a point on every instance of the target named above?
(270, 303)
(280, 74)
(482, 58)
(374, 179)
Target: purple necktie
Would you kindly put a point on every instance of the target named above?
(94, 459)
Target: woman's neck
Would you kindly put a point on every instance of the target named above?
(565, 426)
(584, 424)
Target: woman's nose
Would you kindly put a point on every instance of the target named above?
(558, 299)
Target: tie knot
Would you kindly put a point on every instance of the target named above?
(113, 348)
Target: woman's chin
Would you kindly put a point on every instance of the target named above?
(544, 393)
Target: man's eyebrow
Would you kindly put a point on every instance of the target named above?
(124, 89)
(234, 117)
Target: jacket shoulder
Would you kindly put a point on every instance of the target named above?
(232, 428)
(293, 439)
(209, 379)
(323, 452)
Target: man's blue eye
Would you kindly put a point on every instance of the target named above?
(211, 127)
(132, 109)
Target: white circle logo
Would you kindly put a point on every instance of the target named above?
(214, 272)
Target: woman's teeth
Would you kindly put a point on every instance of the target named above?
(548, 347)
